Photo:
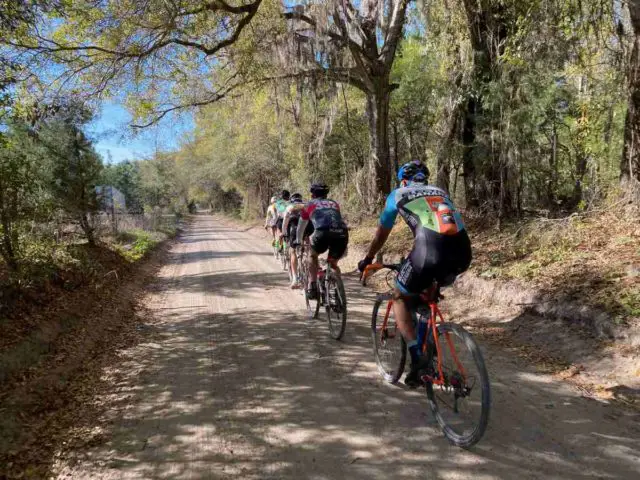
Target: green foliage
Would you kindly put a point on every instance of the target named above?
(125, 176)
(136, 244)
(23, 193)
(75, 167)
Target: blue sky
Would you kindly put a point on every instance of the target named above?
(115, 140)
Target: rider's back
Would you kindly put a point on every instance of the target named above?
(324, 214)
(422, 206)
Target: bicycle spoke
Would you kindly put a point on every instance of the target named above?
(461, 402)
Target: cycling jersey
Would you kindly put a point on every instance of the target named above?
(441, 248)
(422, 206)
(324, 214)
(281, 207)
(330, 231)
(272, 216)
(292, 212)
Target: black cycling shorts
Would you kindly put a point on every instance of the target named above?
(434, 257)
(333, 240)
(279, 224)
(293, 227)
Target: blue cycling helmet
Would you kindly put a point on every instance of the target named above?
(413, 171)
(296, 198)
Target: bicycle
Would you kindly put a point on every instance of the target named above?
(332, 296)
(447, 375)
(285, 256)
(303, 273)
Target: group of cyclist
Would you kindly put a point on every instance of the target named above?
(441, 248)
(318, 222)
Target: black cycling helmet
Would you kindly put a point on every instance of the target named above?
(319, 189)
(414, 171)
(285, 195)
(296, 198)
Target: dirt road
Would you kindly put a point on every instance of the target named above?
(235, 383)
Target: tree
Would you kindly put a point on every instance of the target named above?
(75, 168)
(164, 55)
(353, 43)
(630, 163)
(125, 176)
(22, 187)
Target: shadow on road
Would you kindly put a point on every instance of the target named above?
(232, 389)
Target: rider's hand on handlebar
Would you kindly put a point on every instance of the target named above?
(362, 264)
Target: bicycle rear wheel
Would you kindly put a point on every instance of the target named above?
(335, 306)
(389, 348)
(461, 406)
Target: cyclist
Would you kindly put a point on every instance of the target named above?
(281, 207)
(290, 227)
(330, 232)
(271, 219)
(441, 248)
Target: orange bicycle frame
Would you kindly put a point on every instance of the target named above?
(435, 317)
(433, 324)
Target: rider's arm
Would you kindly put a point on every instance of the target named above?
(302, 223)
(285, 222)
(387, 219)
(302, 226)
(378, 241)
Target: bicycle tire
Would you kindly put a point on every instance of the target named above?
(312, 310)
(391, 375)
(464, 441)
(336, 306)
(302, 272)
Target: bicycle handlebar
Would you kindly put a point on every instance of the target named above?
(374, 267)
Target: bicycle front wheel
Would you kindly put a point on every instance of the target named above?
(461, 404)
(389, 348)
(336, 306)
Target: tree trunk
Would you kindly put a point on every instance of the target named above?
(86, 228)
(468, 163)
(378, 113)
(8, 237)
(443, 160)
(396, 148)
(630, 164)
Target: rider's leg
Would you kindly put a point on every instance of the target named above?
(313, 267)
(405, 324)
(408, 282)
(319, 244)
(337, 249)
(294, 269)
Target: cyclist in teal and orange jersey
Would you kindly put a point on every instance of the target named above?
(441, 247)
(281, 207)
(271, 219)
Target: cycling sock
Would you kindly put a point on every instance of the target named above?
(414, 351)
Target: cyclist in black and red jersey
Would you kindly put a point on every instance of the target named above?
(330, 232)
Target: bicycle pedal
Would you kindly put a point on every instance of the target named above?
(427, 379)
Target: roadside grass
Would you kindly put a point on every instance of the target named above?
(135, 244)
(593, 258)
